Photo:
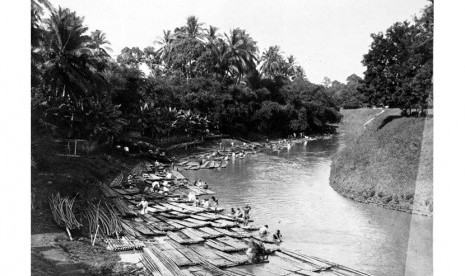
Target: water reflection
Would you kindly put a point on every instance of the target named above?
(289, 190)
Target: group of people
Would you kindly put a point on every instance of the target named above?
(199, 183)
(205, 203)
(242, 214)
(277, 237)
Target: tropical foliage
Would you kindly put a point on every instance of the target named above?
(400, 64)
(196, 79)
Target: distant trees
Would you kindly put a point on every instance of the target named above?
(198, 79)
(400, 64)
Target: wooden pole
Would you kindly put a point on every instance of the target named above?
(75, 145)
(69, 234)
(95, 236)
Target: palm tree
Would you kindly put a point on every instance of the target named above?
(212, 34)
(243, 51)
(193, 28)
(69, 70)
(100, 44)
(220, 54)
(165, 46)
(271, 62)
(299, 72)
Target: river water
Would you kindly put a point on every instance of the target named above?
(290, 191)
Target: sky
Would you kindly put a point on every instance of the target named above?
(327, 37)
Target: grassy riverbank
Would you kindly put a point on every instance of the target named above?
(387, 162)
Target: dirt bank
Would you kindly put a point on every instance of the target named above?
(387, 162)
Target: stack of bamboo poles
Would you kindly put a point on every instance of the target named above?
(103, 219)
(122, 208)
(137, 170)
(122, 245)
(107, 191)
(117, 181)
(157, 263)
(62, 212)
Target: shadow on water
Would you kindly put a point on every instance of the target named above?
(290, 191)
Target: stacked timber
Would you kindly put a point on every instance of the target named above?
(117, 182)
(122, 207)
(107, 191)
(123, 244)
(183, 238)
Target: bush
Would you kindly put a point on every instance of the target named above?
(387, 199)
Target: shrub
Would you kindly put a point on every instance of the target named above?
(387, 199)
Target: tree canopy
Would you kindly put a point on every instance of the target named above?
(400, 64)
(199, 79)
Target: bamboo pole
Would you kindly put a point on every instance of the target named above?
(95, 236)
(69, 234)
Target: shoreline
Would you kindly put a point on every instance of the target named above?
(395, 207)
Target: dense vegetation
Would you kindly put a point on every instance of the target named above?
(390, 160)
(400, 64)
(399, 69)
(198, 80)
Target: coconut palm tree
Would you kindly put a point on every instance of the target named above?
(193, 28)
(165, 46)
(242, 51)
(100, 44)
(212, 34)
(299, 72)
(69, 54)
(271, 62)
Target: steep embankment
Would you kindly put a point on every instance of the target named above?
(388, 161)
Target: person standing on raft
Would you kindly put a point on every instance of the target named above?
(143, 206)
(246, 214)
(215, 201)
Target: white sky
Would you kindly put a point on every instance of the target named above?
(327, 37)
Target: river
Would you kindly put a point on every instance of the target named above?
(290, 191)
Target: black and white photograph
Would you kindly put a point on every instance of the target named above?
(236, 138)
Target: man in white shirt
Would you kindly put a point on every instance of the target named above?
(143, 206)
(206, 204)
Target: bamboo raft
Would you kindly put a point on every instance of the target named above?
(177, 238)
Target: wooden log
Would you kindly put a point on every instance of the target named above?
(188, 232)
(220, 246)
(212, 232)
(199, 223)
(212, 258)
(157, 263)
(234, 232)
(236, 243)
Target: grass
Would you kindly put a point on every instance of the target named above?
(388, 162)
